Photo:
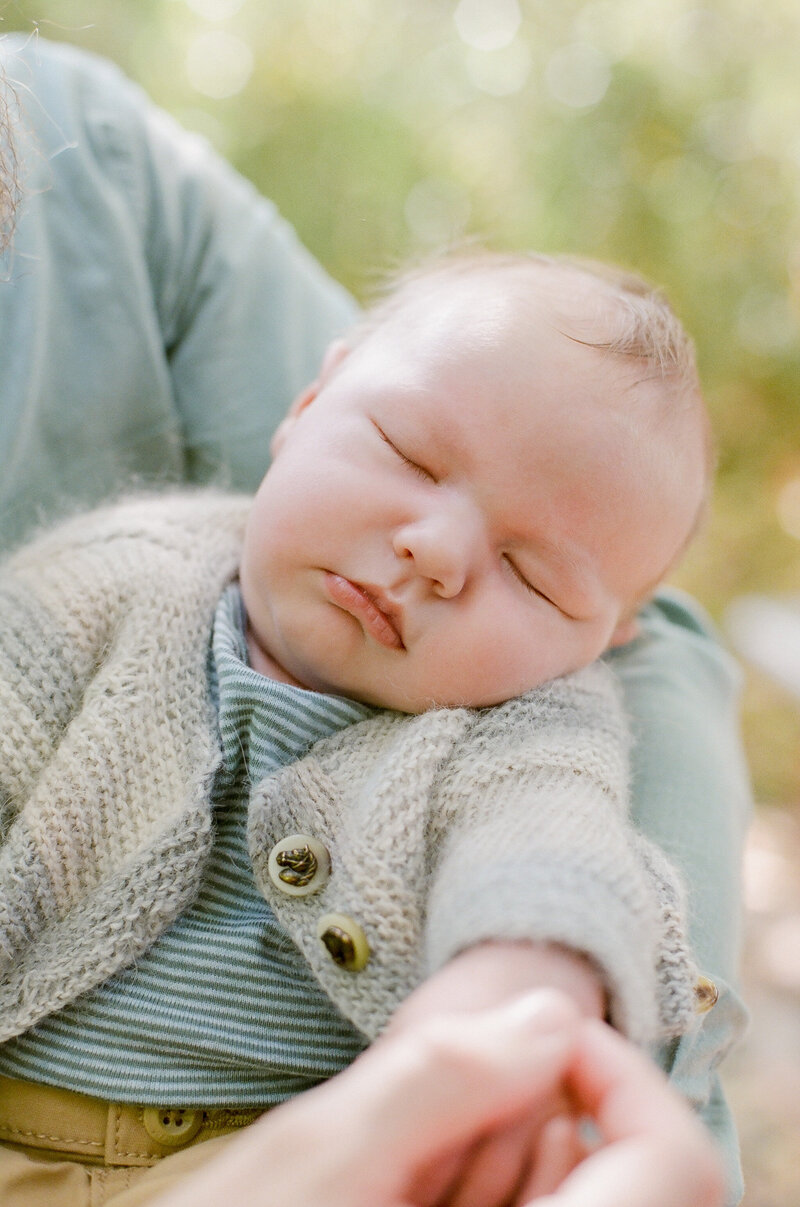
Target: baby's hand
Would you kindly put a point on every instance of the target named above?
(543, 1147)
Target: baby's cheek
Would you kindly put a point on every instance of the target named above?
(533, 654)
(504, 667)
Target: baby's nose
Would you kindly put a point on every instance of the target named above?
(442, 548)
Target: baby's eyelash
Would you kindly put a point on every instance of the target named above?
(515, 570)
(413, 465)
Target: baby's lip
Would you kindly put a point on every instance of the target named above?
(379, 616)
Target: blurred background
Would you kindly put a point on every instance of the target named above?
(661, 134)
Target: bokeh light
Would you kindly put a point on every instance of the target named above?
(218, 63)
(215, 10)
(578, 75)
(500, 72)
(487, 24)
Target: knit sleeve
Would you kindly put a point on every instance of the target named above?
(63, 597)
(99, 770)
(457, 827)
(534, 841)
(46, 661)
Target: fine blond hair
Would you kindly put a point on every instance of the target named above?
(640, 323)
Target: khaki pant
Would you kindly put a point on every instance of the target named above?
(61, 1149)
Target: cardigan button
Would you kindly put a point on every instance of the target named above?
(299, 865)
(706, 995)
(344, 940)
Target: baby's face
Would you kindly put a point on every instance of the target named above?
(458, 511)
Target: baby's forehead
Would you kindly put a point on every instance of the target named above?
(515, 295)
(623, 336)
(533, 279)
(602, 320)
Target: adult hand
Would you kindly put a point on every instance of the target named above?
(651, 1151)
(480, 978)
(385, 1132)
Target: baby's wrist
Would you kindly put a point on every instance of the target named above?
(494, 972)
(574, 973)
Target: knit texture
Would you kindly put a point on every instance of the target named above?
(443, 829)
(462, 825)
(107, 745)
(222, 1010)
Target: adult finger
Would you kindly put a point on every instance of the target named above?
(455, 1079)
(560, 1148)
(362, 1138)
(653, 1152)
(496, 1167)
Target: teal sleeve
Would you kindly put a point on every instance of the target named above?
(691, 795)
(156, 314)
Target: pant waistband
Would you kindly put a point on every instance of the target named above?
(57, 1121)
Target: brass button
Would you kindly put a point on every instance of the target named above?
(171, 1126)
(345, 941)
(706, 995)
(299, 865)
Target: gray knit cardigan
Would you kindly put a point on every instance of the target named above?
(443, 829)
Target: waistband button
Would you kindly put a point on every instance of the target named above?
(171, 1125)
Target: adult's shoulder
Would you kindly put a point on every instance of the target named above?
(23, 56)
(150, 298)
(678, 644)
(56, 91)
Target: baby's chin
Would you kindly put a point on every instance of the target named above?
(424, 700)
(485, 698)
(393, 695)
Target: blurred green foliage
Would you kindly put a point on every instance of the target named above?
(661, 134)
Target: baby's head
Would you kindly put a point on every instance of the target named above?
(480, 489)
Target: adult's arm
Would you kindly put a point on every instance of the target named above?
(157, 315)
(691, 795)
(385, 1131)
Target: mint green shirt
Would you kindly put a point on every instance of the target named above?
(156, 318)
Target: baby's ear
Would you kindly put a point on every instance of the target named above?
(625, 631)
(334, 355)
(287, 423)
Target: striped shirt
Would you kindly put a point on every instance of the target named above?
(222, 1010)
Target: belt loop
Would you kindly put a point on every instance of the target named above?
(127, 1143)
